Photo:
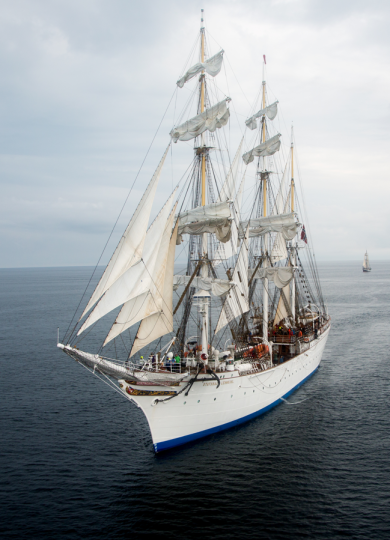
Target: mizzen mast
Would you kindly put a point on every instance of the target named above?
(293, 248)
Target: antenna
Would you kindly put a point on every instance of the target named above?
(201, 19)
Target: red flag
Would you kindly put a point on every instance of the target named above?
(264, 59)
(303, 234)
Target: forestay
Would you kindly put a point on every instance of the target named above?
(129, 249)
(282, 223)
(212, 67)
(281, 276)
(267, 148)
(211, 119)
(271, 111)
(217, 287)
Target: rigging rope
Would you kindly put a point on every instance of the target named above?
(116, 222)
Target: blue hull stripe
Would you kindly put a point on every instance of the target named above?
(165, 445)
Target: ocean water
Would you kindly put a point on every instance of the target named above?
(77, 460)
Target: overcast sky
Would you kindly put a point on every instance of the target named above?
(84, 85)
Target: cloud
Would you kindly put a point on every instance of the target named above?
(84, 87)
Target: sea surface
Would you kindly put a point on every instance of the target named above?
(76, 459)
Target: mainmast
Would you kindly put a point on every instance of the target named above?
(264, 177)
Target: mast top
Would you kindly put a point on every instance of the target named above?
(201, 20)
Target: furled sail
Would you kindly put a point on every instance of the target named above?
(221, 227)
(160, 323)
(150, 301)
(281, 275)
(136, 280)
(267, 148)
(211, 119)
(237, 300)
(271, 111)
(212, 66)
(213, 210)
(217, 287)
(129, 249)
(283, 223)
(211, 218)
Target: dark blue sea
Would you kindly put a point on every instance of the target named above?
(77, 460)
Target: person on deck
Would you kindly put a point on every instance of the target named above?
(177, 363)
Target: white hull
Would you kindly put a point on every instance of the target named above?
(208, 409)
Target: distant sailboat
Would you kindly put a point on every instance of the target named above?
(366, 263)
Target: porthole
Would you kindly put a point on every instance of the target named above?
(198, 400)
(184, 403)
(215, 398)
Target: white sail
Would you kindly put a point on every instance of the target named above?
(271, 111)
(212, 66)
(281, 310)
(267, 148)
(221, 227)
(137, 279)
(211, 119)
(280, 206)
(213, 210)
(227, 250)
(283, 223)
(217, 287)
(237, 301)
(279, 249)
(229, 187)
(150, 301)
(129, 249)
(160, 323)
(281, 275)
(366, 262)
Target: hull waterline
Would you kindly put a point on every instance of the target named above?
(240, 398)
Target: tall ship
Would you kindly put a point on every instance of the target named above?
(213, 313)
(366, 263)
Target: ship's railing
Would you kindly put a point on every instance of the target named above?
(282, 339)
(308, 334)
